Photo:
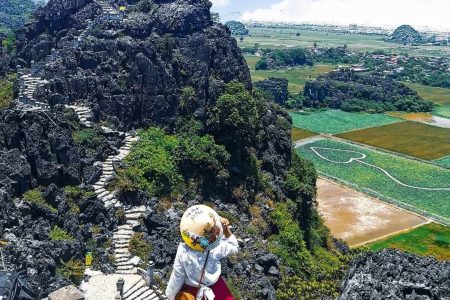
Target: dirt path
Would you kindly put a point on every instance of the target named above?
(357, 218)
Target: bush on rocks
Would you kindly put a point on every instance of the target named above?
(36, 197)
(58, 234)
(72, 270)
(140, 247)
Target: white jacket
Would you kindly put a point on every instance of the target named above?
(188, 265)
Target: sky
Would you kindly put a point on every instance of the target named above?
(419, 13)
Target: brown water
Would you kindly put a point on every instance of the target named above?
(357, 218)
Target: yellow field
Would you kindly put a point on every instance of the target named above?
(434, 94)
(411, 138)
(299, 134)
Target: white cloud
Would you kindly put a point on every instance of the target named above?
(220, 3)
(420, 13)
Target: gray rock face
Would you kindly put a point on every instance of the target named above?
(132, 72)
(67, 293)
(391, 274)
(277, 88)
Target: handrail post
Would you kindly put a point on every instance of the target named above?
(120, 285)
(149, 276)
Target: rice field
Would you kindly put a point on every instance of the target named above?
(300, 134)
(337, 121)
(411, 138)
(435, 94)
(442, 111)
(445, 162)
(428, 240)
(411, 184)
(297, 76)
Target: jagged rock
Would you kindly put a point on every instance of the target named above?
(67, 293)
(391, 274)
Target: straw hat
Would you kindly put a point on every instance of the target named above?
(201, 228)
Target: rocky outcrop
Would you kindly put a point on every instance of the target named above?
(276, 88)
(132, 72)
(391, 274)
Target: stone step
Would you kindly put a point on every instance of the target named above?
(125, 268)
(104, 194)
(122, 256)
(125, 226)
(133, 216)
(123, 231)
(138, 292)
(139, 209)
(148, 294)
(133, 223)
(122, 237)
(133, 289)
(125, 272)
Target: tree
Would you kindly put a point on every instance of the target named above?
(315, 45)
(241, 39)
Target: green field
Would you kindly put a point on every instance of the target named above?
(363, 174)
(445, 162)
(443, 111)
(435, 94)
(336, 121)
(411, 138)
(428, 240)
(299, 134)
(285, 38)
(297, 76)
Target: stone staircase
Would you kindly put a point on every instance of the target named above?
(126, 264)
(28, 86)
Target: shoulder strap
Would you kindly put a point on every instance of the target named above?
(203, 271)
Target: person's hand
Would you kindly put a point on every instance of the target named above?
(225, 222)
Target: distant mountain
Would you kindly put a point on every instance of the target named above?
(406, 34)
(15, 13)
(237, 28)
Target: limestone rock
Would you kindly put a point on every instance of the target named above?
(67, 293)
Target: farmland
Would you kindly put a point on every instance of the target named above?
(445, 162)
(414, 185)
(428, 240)
(357, 218)
(443, 111)
(297, 76)
(287, 38)
(411, 138)
(299, 134)
(435, 94)
(336, 121)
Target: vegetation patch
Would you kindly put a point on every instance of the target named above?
(140, 247)
(87, 137)
(74, 194)
(299, 134)
(6, 91)
(36, 197)
(337, 121)
(428, 240)
(72, 270)
(375, 182)
(58, 234)
(442, 111)
(411, 138)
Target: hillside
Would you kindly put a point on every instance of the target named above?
(237, 28)
(351, 91)
(406, 34)
(15, 13)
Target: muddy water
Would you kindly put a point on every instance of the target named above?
(357, 218)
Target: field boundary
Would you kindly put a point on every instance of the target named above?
(386, 151)
(381, 197)
(386, 236)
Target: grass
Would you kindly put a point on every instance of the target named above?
(336, 121)
(374, 182)
(434, 94)
(300, 134)
(411, 138)
(58, 234)
(140, 247)
(87, 137)
(428, 240)
(297, 76)
(6, 91)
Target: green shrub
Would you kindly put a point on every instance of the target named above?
(297, 288)
(58, 234)
(36, 197)
(74, 194)
(140, 247)
(121, 216)
(72, 270)
(87, 137)
(6, 91)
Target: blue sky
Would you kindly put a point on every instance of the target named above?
(231, 9)
(419, 13)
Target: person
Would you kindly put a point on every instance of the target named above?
(197, 269)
